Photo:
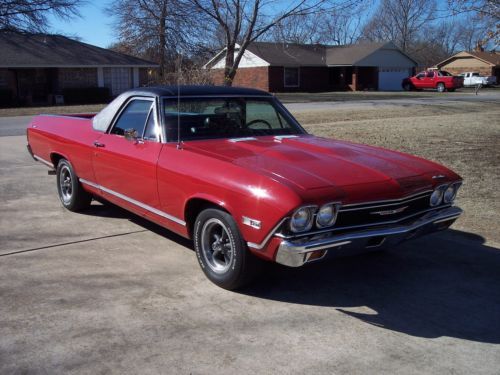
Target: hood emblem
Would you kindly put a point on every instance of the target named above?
(389, 212)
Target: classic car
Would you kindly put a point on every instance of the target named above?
(439, 80)
(231, 169)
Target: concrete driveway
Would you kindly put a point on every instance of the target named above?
(106, 292)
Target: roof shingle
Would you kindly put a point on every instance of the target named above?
(45, 50)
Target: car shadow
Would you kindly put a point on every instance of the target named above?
(445, 284)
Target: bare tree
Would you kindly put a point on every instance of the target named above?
(244, 21)
(400, 21)
(301, 29)
(484, 12)
(158, 30)
(31, 15)
(338, 26)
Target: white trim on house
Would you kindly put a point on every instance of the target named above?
(248, 60)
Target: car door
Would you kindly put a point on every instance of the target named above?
(417, 81)
(125, 168)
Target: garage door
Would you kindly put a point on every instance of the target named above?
(389, 79)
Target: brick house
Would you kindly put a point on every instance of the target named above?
(36, 67)
(486, 63)
(278, 67)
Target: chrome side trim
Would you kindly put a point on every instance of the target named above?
(261, 245)
(388, 200)
(135, 202)
(41, 160)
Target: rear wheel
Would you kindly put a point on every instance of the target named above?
(222, 251)
(440, 87)
(70, 191)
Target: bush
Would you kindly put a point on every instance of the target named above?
(6, 97)
(86, 95)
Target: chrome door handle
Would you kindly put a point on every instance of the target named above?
(98, 144)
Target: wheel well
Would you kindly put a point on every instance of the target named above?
(54, 158)
(193, 208)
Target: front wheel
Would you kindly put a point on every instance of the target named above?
(406, 86)
(440, 87)
(70, 191)
(222, 251)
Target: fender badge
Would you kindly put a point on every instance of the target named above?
(438, 176)
(251, 222)
(389, 212)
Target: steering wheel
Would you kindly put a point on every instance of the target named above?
(261, 121)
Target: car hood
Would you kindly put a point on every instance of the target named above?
(308, 163)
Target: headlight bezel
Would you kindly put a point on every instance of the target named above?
(438, 192)
(312, 209)
(455, 186)
(331, 222)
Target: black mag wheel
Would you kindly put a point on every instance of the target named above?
(222, 251)
(70, 191)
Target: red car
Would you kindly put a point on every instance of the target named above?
(232, 169)
(439, 80)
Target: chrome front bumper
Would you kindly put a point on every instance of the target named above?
(295, 253)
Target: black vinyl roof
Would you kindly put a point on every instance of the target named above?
(195, 90)
(103, 119)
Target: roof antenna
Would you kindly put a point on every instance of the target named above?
(179, 72)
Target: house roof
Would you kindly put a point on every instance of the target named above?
(491, 58)
(46, 50)
(290, 53)
(351, 54)
(293, 54)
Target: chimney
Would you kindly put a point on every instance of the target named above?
(479, 47)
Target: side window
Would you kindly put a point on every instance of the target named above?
(420, 75)
(261, 115)
(152, 133)
(133, 117)
(430, 74)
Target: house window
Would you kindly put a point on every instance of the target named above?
(292, 77)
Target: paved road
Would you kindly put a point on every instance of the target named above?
(10, 126)
(106, 292)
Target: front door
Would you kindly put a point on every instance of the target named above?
(125, 168)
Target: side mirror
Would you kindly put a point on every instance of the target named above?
(131, 135)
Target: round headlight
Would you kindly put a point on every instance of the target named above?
(326, 215)
(302, 219)
(436, 197)
(450, 193)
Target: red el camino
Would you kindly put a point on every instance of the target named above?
(233, 170)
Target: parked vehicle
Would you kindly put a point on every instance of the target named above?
(231, 169)
(475, 79)
(433, 79)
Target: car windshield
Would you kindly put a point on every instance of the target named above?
(209, 118)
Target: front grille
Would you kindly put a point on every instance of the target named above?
(373, 213)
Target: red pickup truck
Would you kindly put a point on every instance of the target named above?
(433, 79)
